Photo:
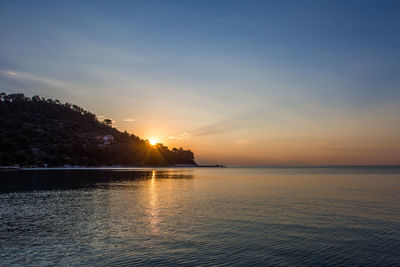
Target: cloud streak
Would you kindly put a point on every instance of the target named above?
(214, 128)
(9, 72)
(35, 78)
(181, 136)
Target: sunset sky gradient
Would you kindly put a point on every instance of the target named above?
(237, 82)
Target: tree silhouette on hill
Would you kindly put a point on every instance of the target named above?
(43, 132)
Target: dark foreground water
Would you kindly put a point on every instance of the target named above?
(200, 217)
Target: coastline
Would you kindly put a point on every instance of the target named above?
(16, 168)
(182, 166)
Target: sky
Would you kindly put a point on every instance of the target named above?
(237, 82)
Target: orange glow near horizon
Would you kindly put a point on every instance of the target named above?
(153, 141)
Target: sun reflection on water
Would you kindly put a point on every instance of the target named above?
(154, 210)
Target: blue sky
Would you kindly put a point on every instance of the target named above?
(218, 76)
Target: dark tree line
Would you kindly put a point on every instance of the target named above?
(36, 131)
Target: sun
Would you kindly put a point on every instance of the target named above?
(153, 141)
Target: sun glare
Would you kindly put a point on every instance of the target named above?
(153, 141)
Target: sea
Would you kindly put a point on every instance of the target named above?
(333, 216)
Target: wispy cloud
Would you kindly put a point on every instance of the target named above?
(210, 129)
(181, 136)
(129, 120)
(367, 147)
(245, 142)
(9, 72)
(214, 128)
(35, 78)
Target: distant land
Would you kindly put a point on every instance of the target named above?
(39, 132)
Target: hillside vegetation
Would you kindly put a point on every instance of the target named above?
(43, 132)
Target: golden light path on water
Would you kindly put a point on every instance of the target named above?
(154, 209)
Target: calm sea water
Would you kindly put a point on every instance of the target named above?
(200, 216)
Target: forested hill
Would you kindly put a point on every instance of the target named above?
(44, 132)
